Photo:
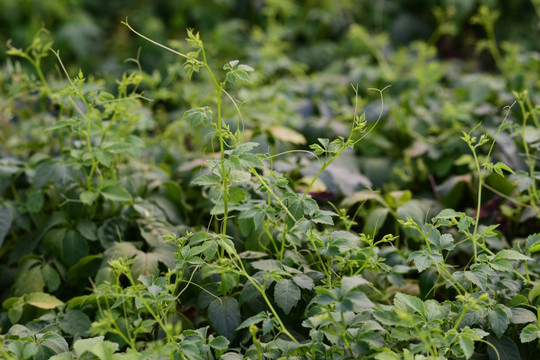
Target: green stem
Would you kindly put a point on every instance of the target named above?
(323, 266)
(225, 179)
(271, 192)
(240, 265)
(478, 200)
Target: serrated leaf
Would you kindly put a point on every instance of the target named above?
(250, 161)
(447, 214)
(535, 291)
(348, 283)
(323, 217)
(42, 300)
(409, 302)
(86, 345)
(198, 116)
(532, 244)
(303, 281)
(206, 180)
(50, 344)
(529, 333)
(74, 322)
(296, 208)
(116, 193)
(441, 242)
(267, 265)
(224, 316)
(286, 294)
(220, 343)
(498, 321)
(467, 346)
(421, 260)
(477, 278)
(508, 254)
(522, 316)
(252, 320)
(388, 318)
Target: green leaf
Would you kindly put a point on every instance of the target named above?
(508, 254)
(220, 343)
(118, 148)
(87, 229)
(535, 291)
(224, 316)
(35, 201)
(375, 221)
(286, 294)
(51, 277)
(498, 320)
(5, 223)
(104, 158)
(50, 344)
(206, 180)
(467, 345)
(303, 281)
(198, 116)
(532, 244)
(74, 322)
(115, 193)
(323, 217)
(522, 316)
(296, 208)
(59, 124)
(267, 265)
(524, 181)
(68, 355)
(499, 167)
(250, 161)
(421, 260)
(252, 320)
(529, 333)
(408, 302)
(388, 318)
(441, 242)
(84, 345)
(505, 348)
(88, 197)
(30, 280)
(16, 307)
(69, 245)
(103, 350)
(42, 300)
(387, 355)
(448, 214)
(348, 283)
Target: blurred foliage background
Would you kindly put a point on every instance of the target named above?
(89, 33)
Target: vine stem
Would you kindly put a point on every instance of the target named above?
(240, 265)
(219, 90)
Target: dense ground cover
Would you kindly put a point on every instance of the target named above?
(361, 183)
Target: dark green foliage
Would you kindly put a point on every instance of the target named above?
(201, 208)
